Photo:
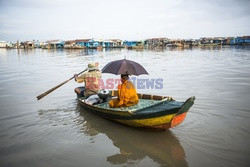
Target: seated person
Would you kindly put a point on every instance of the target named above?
(127, 95)
(90, 80)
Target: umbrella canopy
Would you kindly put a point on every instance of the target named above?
(124, 66)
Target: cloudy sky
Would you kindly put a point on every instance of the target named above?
(124, 19)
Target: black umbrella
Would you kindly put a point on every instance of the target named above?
(124, 66)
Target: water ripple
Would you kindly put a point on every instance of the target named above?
(215, 131)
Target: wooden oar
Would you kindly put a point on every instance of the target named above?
(54, 88)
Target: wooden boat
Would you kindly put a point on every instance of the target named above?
(139, 47)
(74, 47)
(152, 111)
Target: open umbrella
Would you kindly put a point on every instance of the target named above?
(124, 66)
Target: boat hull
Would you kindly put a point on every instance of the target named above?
(162, 116)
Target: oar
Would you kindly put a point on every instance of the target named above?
(54, 88)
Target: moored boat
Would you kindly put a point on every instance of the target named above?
(152, 111)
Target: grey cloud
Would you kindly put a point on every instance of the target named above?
(133, 19)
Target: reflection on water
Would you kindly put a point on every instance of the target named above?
(134, 145)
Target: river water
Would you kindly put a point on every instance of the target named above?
(56, 131)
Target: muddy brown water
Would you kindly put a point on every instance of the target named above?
(56, 131)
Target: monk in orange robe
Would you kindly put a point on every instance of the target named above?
(127, 95)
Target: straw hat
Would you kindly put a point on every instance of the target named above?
(93, 66)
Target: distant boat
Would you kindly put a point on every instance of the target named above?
(74, 47)
(135, 47)
(171, 45)
(152, 111)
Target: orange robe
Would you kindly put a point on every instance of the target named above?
(127, 96)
